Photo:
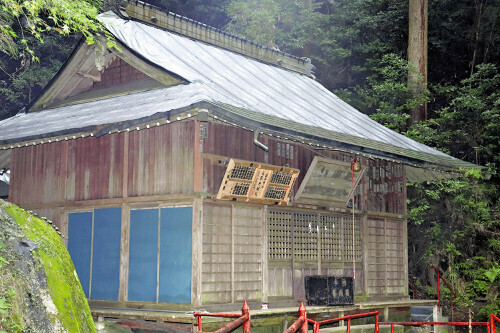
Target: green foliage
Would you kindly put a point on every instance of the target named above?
(22, 79)
(386, 95)
(38, 17)
(211, 12)
(289, 25)
(469, 123)
(453, 221)
(9, 318)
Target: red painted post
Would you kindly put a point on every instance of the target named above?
(376, 323)
(316, 327)
(295, 326)
(199, 324)
(412, 289)
(246, 311)
(233, 325)
(349, 325)
(392, 328)
(492, 323)
(302, 313)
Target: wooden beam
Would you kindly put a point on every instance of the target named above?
(405, 256)
(124, 254)
(265, 258)
(198, 159)
(100, 203)
(197, 257)
(125, 165)
(232, 253)
(364, 244)
(384, 240)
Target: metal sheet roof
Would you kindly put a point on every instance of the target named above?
(241, 85)
(254, 85)
(88, 116)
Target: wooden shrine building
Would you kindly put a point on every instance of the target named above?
(194, 167)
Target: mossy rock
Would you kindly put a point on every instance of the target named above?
(39, 288)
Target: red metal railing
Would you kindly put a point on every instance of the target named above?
(241, 320)
(439, 277)
(317, 324)
(412, 289)
(487, 324)
(493, 318)
(301, 324)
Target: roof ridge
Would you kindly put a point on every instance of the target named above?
(155, 16)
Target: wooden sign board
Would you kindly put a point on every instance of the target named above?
(256, 182)
(328, 182)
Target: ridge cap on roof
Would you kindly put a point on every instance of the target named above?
(184, 26)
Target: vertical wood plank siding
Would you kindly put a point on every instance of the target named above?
(37, 174)
(160, 161)
(117, 73)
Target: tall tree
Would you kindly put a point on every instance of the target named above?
(417, 53)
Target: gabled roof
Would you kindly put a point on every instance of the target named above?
(234, 87)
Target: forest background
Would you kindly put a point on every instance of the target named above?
(359, 48)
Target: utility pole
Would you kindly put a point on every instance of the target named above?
(417, 54)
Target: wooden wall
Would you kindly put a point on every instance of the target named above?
(152, 162)
(232, 260)
(302, 243)
(118, 73)
(386, 257)
(382, 189)
(160, 160)
(139, 163)
(264, 253)
(238, 259)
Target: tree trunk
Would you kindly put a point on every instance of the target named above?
(417, 54)
(478, 6)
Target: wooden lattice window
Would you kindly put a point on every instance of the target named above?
(331, 237)
(329, 234)
(280, 244)
(255, 182)
(305, 236)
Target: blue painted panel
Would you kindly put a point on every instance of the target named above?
(175, 254)
(79, 243)
(106, 254)
(143, 258)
